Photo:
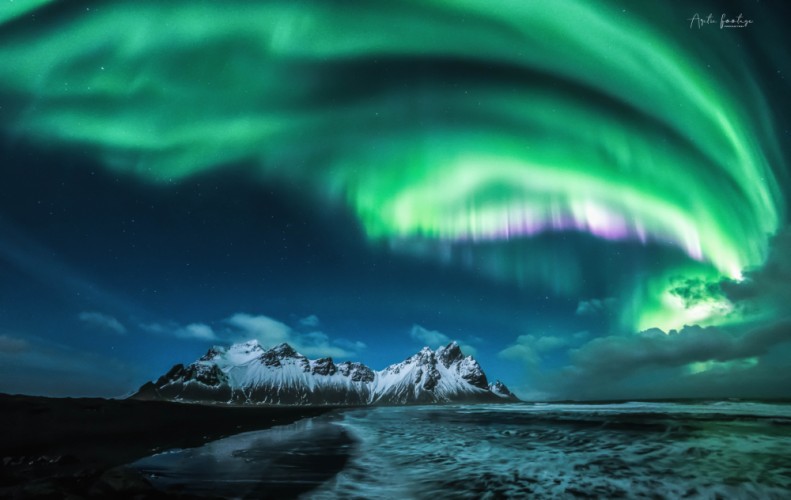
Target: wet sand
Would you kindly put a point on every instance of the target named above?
(53, 448)
(283, 462)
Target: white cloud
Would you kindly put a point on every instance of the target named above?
(523, 350)
(270, 332)
(468, 350)
(434, 339)
(103, 322)
(193, 331)
(550, 343)
(197, 331)
(431, 338)
(157, 328)
(530, 349)
(353, 345)
(317, 344)
(311, 321)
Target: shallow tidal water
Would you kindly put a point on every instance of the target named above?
(630, 450)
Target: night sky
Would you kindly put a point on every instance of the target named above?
(590, 199)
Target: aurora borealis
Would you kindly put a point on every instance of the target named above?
(553, 152)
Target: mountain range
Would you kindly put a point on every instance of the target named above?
(247, 373)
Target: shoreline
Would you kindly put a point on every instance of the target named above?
(53, 447)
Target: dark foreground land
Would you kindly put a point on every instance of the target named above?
(75, 448)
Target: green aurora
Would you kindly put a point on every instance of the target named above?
(570, 122)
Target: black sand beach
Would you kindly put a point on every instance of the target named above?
(60, 448)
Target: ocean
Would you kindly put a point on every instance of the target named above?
(728, 449)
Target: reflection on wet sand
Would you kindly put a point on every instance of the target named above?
(281, 462)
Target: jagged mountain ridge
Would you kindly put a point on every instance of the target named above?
(249, 374)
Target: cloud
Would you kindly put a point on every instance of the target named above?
(523, 351)
(192, 331)
(530, 349)
(311, 321)
(532, 352)
(749, 357)
(431, 338)
(10, 345)
(353, 345)
(693, 291)
(317, 344)
(595, 306)
(241, 327)
(158, 327)
(197, 331)
(765, 291)
(103, 322)
(550, 343)
(617, 356)
(270, 332)
(691, 362)
(435, 339)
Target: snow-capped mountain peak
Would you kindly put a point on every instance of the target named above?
(285, 351)
(233, 355)
(249, 373)
(449, 354)
(499, 389)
